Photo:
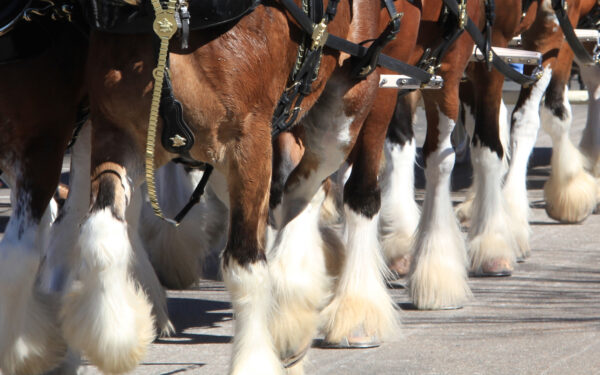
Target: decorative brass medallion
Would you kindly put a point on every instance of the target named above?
(177, 141)
(165, 25)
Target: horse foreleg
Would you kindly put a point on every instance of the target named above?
(106, 303)
(362, 312)
(30, 340)
(525, 126)
(438, 277)
(399, 215)
(244, 263)
(61, 256)
(299, 257)
(570, 191)
(492, 246)
(590, 139)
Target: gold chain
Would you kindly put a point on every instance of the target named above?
(164, 27)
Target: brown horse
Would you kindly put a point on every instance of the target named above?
(46, 73)
(228, 83)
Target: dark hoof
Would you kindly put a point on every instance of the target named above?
(352, 343)
(457, 307)
(293, 360)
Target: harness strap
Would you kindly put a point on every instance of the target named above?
(451, 31)
(499, 64)
(83, 114)
(196, 195)
(353, 49)
(490, 17)
(368, 63)
(582, 55)
(306, 69)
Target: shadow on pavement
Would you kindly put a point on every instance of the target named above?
(194, 313)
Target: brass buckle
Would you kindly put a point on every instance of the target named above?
(319, 35)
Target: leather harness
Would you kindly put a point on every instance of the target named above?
(583, 56)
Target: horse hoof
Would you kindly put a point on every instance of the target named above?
(294, 359)
(453, 307)
(356, 341)
(494, 268)
(400, 267)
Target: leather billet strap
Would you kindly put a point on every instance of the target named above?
(497, 62)
(353, 49)
(582, 55)
(368, 63)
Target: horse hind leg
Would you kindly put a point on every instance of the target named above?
(106, 303)
(30, 340)
(570, 191)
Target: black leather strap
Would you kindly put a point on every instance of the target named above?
(354, 49)
(198, 192)
(367, 64)
(582, 55)
(480, 41)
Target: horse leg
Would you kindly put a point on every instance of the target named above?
(61, 257)
(525, 126)
(179, 253)
(362, 311)
(106, 303)
(244, 263)
(464, 210)
(590, 139)
(492, 246)
(570, 191)
(399, 215)
(143, 271)
(297, 260)
(30, 337)
(438, 277)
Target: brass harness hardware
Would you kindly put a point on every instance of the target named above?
(462, 14)
(164, 27)
(319, 35)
